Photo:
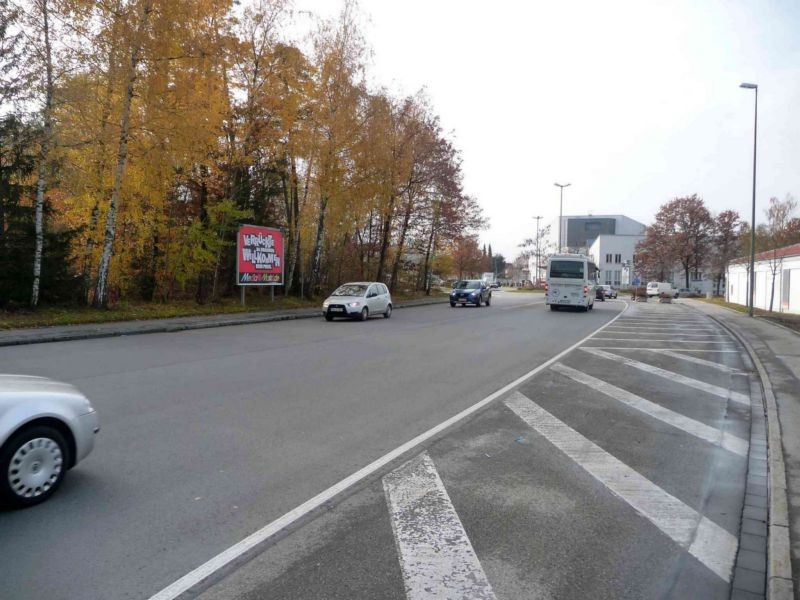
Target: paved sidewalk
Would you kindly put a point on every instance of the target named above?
(63, 333)
(778, 349)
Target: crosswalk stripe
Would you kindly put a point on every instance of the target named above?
(688, 381)
(700, 361)
(705, 540)
(669, 334)
(665, 415)
(436, 556)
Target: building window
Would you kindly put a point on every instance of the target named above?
(617, 278)
(696, 276)
(608, 277)
(618, 259)
(608, 258)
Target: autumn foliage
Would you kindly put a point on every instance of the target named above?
(167, 123)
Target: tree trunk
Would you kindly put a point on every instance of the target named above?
(401, 242)
(101, 289)
(385, 233)
(44, 152)
(316, 263)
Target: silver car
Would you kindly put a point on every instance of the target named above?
(46, 428)
(358, 300)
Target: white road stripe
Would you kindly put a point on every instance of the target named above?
(656, 329)
(436, 556)
(671, 341)
(705, 540)
(665, 415)
(688, 381)
(700, 361)
(682, 349)
(231, 554)
(658, 334)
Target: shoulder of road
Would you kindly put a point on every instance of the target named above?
(64, 333)
(775, 350)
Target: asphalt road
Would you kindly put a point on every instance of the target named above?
(208, 435)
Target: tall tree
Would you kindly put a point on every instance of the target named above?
(726, 244)
(781, 229)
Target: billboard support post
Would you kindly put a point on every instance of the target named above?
(241, 288)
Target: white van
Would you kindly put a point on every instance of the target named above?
(656, 288)
(571, 281)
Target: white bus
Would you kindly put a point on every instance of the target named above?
(571, 281)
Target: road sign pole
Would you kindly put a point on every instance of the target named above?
(241, 287)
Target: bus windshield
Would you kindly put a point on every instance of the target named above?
(567, 269)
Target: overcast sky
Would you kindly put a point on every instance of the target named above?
(633, 102)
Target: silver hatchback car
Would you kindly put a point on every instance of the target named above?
(358, 300)
(46, 428)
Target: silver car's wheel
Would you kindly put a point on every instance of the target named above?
(388, 312)
(33, 465)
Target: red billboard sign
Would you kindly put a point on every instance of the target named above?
(259, 256)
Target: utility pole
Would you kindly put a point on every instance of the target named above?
(753, 86)
(561, 212)
(537, 250)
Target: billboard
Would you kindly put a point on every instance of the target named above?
(259, 256)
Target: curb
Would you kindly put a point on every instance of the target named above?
(168, 327)
(780, 585)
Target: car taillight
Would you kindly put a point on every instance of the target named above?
(586, 289)
(546, 287)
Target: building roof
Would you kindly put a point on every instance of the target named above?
(786, 251)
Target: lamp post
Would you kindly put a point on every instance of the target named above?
(536, 279)
(561, 211)
(752, 291)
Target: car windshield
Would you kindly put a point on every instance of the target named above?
(350, 289)
(566, 269)
(468, 285)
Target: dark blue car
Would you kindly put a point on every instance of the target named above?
(471, 291)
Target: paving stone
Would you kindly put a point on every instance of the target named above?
(753, 500)
(754, 527)
(755, 561)
(749, 581)
(756, 543)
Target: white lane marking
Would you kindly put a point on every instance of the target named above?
(700, 361)
(668, 335)
(688, 381)
(224, 558)
(671, 341)
(705, 540)
(682, 349)
(672, 330)
(436, 556)
(665, 415)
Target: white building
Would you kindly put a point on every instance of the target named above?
(786, 265)
(579, 231)
(613, 255)
(700, 280)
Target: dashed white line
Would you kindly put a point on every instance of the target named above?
(436, 556)
(671, 341)
(677, 377)
(665, 415)
(705, 540)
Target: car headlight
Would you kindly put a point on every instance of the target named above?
(326, 304)
(354, 304)
(475, 293)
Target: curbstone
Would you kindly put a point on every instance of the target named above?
(779, 565)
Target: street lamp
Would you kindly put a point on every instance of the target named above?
(753, 86)
(561, 212)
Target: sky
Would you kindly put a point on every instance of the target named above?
(632, 102)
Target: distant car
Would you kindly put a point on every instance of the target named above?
(600, 293)
(495, 285)
(656, 288)
(358, 300)
(610, 292)
(46, 428)
(471, 291)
